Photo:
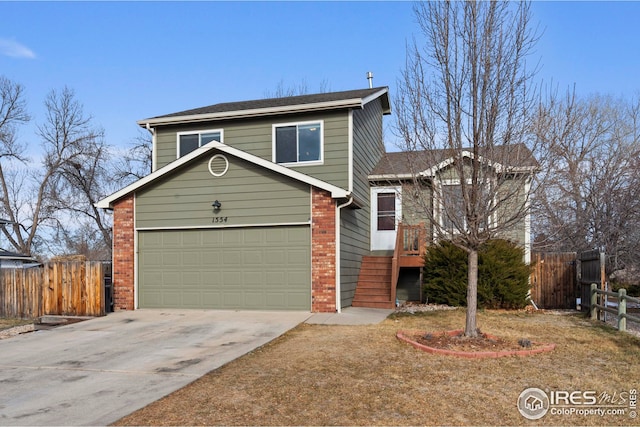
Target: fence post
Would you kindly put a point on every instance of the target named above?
(622, 309)
(594, 301)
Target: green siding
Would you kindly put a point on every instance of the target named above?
(249, 195)
(254, 136)
(368, 148)
(354, 243)
(259, 268)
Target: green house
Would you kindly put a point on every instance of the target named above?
(272, 204)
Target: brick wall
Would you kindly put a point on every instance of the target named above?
(323, 252)
(123, 254)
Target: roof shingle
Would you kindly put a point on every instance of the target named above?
(227, 107)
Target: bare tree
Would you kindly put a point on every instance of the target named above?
(301, 88)
(464, 115)
(591, 199)
(136, 162)
(13, 113)
(31, 196)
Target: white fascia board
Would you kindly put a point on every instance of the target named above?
(376, 95)
(106, 202)
(256, 112)
(390, 177)
(499, 167)
(336, 192)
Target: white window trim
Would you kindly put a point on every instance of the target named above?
(199, 133)
(306, 163)
(450, 182)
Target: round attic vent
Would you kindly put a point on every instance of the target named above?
(218, 165)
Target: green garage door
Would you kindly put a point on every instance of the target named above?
(258, 268)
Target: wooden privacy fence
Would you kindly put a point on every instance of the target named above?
(553, 280)
(599, 304)
(55, 288)
(592, 270)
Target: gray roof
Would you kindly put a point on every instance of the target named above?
(413, 162)
(271, 103)
(14, 255)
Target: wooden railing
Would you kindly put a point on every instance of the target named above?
(621, 311)
(411, 241)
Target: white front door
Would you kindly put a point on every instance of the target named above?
(386, 211)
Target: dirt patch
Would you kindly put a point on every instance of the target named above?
(458, 342)
(455, 343)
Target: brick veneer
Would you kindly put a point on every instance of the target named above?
(323, 252)
(123, 254)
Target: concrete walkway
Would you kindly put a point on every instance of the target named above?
(351, 316)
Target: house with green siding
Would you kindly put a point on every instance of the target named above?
(271, 204)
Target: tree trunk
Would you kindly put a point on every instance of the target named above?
(471, 330)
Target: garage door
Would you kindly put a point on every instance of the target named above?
(259, 268)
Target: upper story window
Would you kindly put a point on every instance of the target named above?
(298, 143)
(189, 141)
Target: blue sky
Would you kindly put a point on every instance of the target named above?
(131, 60)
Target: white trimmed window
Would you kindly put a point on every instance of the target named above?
(189, 141)
(298, 143)
(452, 206)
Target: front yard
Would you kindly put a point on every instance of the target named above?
(363, 375)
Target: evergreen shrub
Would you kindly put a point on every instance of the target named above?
(503, 276)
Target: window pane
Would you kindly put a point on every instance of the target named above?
(188, 143)
(286, 144)
(386, 211)
(206, 138)
(309, 142)
(453, 207)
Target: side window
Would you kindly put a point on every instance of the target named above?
(189, 141)
(298, 143)
(386, 211)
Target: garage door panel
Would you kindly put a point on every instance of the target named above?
(232, 257)
(252, 268)
(300, 257)
(171, 258)
(277, 256)
(191, 299)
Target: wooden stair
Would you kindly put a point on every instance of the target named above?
(374, 283)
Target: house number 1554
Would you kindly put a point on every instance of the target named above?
(219, 219)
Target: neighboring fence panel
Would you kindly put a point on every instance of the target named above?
(56, 288)
(592, 270)
(553, 280)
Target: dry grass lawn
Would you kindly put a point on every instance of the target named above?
(6, 323)
(363, 375)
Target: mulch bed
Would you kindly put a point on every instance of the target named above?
(454, 343)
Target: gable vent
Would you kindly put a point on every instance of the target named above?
(218, 165)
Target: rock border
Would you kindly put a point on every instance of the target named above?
(402, 336)
(16, 330)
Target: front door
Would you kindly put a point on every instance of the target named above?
(386, 211)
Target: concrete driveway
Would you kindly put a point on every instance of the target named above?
(95, 372)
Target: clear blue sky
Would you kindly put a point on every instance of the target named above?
(132, 60)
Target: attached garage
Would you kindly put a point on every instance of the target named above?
(256, 268)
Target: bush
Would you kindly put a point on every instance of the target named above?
(503, 276)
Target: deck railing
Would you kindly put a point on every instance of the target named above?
(411, 240)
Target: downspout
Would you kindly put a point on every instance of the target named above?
(152, 131)
(338, 209)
